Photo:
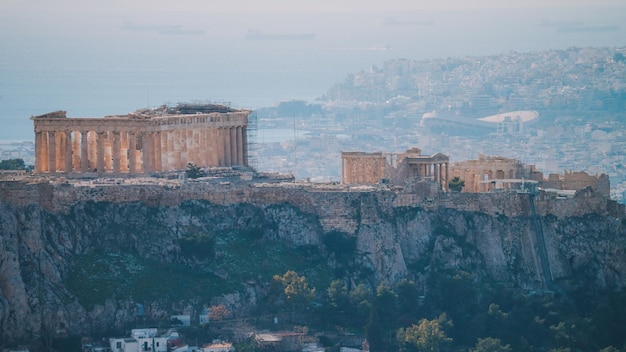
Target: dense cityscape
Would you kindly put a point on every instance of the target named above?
(579, 94)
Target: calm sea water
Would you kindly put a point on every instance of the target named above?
(99, 66)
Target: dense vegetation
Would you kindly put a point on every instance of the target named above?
(12, 164)
(444, 311)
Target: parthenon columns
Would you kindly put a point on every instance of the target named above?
(134, 144)
(120, 151)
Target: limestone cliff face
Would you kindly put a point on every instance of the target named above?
(39, 244)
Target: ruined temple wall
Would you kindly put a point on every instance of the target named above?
(577, 181)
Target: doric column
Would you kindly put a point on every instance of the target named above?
(214, 149)
(226, 142)
(164, 151)
(76, 151)
(100, 137)
(124, 151)
(182, 140)
(116, 154)
(52, 152)
(132, 152)
(44, 152)
(239, 144)
(84, 151)
(195, 147)
(171, 156)
(156, 151)
(60, 152)
(188, 148)
(217, 140)
(38, 154)
(244, 144)
(176, 140)
(68, 152)
(145, 152)
(206, 132)
(108, 152)
(93, 150)
(233, 146)
(202, 154)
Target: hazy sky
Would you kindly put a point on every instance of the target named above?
(282, 6)
(97, 57)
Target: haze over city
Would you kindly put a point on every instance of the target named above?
(98, 58)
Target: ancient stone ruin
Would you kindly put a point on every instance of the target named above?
(146, 141)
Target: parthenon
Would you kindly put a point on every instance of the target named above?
(142, 142)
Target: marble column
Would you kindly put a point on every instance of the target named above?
(132, 152)
(100, 141)
(68, 152)
(213, 138)
(108, 152)
(84, 151)
(226, 136)
(93, 150)
(38, 152)
(171, 155)
(195, 156)
(115, 153)
(233, 146)
(182, 142)
(164, 150)
(145, 152)
(219, 143)
(202, 154)
(76, 151)
(239, 144)
(124, 151)
(52, 152)
(156, 151)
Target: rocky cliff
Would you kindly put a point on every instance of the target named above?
(46, 229)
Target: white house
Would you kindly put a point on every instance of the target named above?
(123, 345)
(139, 344)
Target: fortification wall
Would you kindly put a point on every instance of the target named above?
(339, 208)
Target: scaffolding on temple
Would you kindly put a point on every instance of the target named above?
(253, 147)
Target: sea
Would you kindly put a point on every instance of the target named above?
(106, 64)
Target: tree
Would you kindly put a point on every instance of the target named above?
(360, 302)
(219, 312)
(382, 320)
(194, 171)
(456, 184)
(490, 344)
(295, 288)
(338, 295)
(408, 302)
(12, 164)
(427, 336)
